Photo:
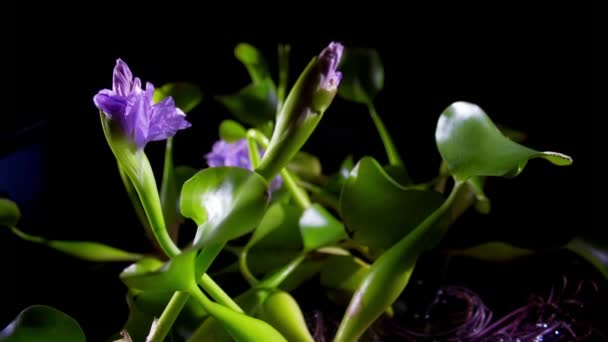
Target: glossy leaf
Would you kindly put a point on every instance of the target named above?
(305, 166)
(363, 75)
(254, 105)
(278, 229)
(493, 251)
(253, 60)
(42, 323)
(595, 251)
(231, 131)
(472, 145)
(282, 311)
(389, 274)
(151, 275)
(320, 228)
(225, 203)
(9, 213)
(85, 250)
(377, 210)
(186, 95)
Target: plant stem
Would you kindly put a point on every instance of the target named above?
(150, 200)
(299, 195)
(247, 274)
(163, 325)
(217, 293)
(388, 276)
(387, 141)
(278, 277)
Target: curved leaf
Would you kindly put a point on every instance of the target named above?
(472, 145)
(377, 210)
(362, 75)
(594, 251)
(85, 250)
(305, 166)
(253, 60)
(42, 323)
(254, 105)
(231, 131)
(174, 275)
(186, 95)
(493, 251)
(9, 213)
(278, 229)
(320, 228)
(225, 202)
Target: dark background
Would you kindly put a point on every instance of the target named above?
(528, 67)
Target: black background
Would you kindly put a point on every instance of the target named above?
(529, 67)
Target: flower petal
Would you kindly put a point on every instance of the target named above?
(166, 120)
(329, 59)
(113, 105)
(122, 80)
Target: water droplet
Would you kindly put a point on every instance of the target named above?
(419, 282)
(427, 316)
(541, 325)
(556, 332)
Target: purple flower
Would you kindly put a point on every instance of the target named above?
(135, 111)
(329, 59)
(235, 154)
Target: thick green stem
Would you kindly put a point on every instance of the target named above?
(163, 325)
(391, 151)
(150, 200)
(203, 261)
(388, 276)
(299, 195)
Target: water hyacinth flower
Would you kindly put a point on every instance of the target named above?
(304, 107)
(133, 108)
(235, 154)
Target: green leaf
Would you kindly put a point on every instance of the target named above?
(305, 166)
(254, 105)
(320, 228)
(378, 210)
(231, 131)
(9, 213)
(362, 75)
(85, 250)
(175, 275)
(225, 202)
(595, 251)
(253, 60)
(493, 251)
(278, 229)
(42, 323)
(186, 95)
(472, 145)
